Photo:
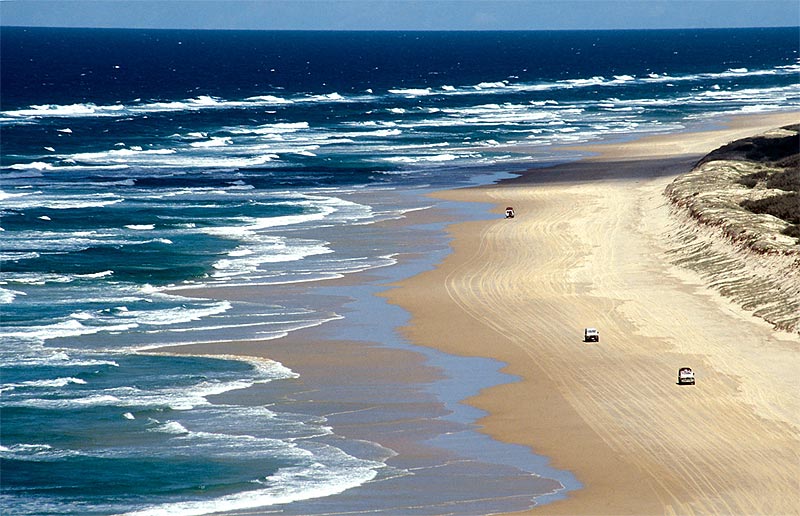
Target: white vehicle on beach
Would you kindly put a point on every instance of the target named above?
(591, 335)
(509, 212)
(685, 376)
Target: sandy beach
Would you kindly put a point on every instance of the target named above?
(593, 243)
(590, 246)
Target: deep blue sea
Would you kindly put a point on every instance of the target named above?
(139, 163)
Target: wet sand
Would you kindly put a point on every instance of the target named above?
(590, 246)
(370, 386)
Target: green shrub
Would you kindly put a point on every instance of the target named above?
(784, 206)
(788, 179)
(789, 162)
(773, 149)
(751, 180)
(792, 231)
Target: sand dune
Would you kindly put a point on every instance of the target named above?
(593, 245)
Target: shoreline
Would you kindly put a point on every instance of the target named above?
(555, 431)
(586, 249)
(387, 391)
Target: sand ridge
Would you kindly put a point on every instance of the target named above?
(590, 247)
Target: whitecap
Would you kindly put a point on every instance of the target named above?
(7, 195)
(269, 99)
(485, 85)
(69, 328)
(96, 400)
(36, 165)
(170, 316)
(412, 92)
(213, 142)
(11, 256)
(8, 296)
(315, 480)
(171, 427)
(101, 274)
(56, 382)
(284, 127)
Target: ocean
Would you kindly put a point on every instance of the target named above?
(140, 167)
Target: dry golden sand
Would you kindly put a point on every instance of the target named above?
(590, 246)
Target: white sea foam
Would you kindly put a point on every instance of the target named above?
(208, 102)
(6, 196)
(169, 316)
(94, 400)
(37, 199)
(615, 81)
(329, 97)
(118, 154)
(35, 452)
(181, 399)
(176, 398)
(171, 427)
(213, 142)
(65, 111)
(68, 328)
(56, 382)
(36, 165)
(325, 476)
(11, 256)
(269, 99)
(7, 296)
(101, 274)
(278, 128)
(412, 92)
(58, 358)
(378, 133)
(491, 85)
(435, 158)
(266, 250)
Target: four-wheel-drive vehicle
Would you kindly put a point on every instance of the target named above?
(685, 376)
(591, 335)
(509, 212)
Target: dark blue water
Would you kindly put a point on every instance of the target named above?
(138, 163)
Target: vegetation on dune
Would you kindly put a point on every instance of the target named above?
(785, 206)
(782, 155)
(742, 205)
(762, 148)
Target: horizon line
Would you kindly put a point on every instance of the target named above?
(395, 30)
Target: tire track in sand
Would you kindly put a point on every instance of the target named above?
(578, 256)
